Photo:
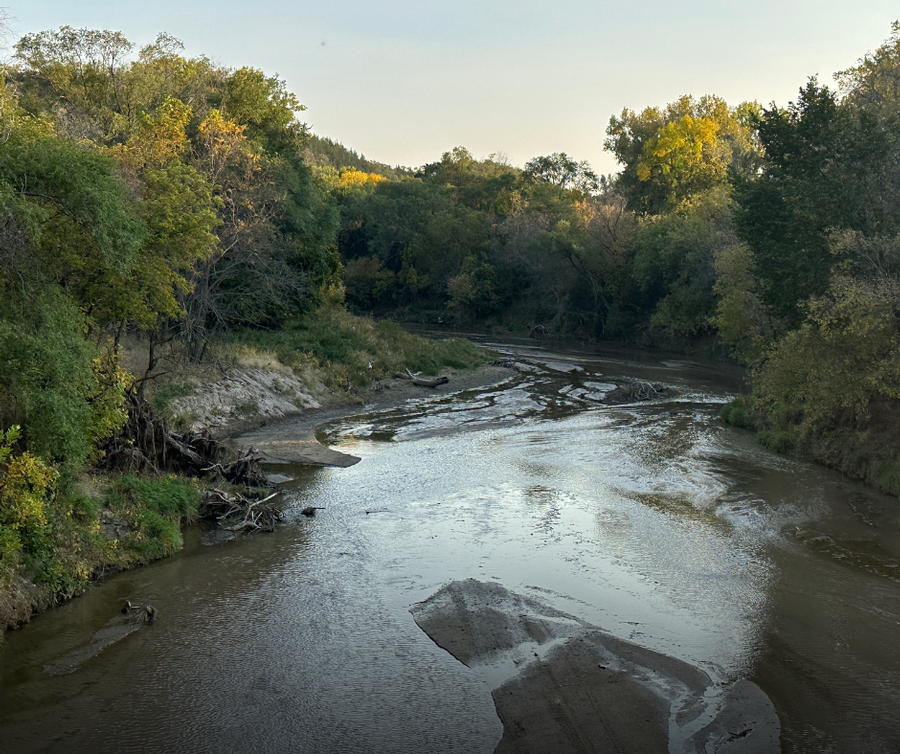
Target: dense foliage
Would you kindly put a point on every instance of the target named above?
(139, 193)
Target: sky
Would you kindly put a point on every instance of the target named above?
(406, 80)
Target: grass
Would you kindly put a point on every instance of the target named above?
(71, 549)
(154, 511)
(351, 351)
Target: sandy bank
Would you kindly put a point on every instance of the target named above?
(563, 685)
(291, 438)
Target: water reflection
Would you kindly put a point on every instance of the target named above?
(652, 520)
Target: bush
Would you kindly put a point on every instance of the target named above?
(886, 476)
(776, 441)
(735, 413)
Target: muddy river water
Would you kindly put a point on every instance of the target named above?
(651, 520)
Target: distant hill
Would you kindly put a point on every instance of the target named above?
(323, 152)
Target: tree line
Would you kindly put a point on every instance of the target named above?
(771, 232)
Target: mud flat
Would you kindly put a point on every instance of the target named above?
(292, 439)
(563, 685)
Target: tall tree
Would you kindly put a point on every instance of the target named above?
(688, 147)
(560, 169)
(825, 167)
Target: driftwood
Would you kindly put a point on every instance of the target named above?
(243, 470)
(634, 392)
(237, 513)
(145, 614)
(422, 381)
(434, 382)
(146, 444)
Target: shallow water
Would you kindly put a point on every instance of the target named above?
(651, 520)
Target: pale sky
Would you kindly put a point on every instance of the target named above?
(404, 81)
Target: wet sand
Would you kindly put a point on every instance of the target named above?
(293, 439)
(566, 686)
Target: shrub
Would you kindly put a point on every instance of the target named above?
(735, 413)
(776, 441)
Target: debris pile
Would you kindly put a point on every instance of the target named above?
(238, 513)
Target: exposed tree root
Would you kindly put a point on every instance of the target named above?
(146, 444)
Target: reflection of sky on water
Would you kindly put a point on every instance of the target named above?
(519, 486)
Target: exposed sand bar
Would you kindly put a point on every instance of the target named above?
(565, 686)
(292, 439)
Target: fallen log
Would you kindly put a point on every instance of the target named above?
(433, 382)
(416, 379)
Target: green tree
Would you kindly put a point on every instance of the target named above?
(482, 185)
(52, 380)
(686, 148)
(826, 167)
(741, 318)
(674, 261)
(74, 210)
(873, 84)
(560, 169)
(844, 357)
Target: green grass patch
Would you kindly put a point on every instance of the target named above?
(354, 351)
(168, 495)
(154, 510)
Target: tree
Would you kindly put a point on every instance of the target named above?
(75, 213)
(844, 356)
(56, 384)
(267, 110)
(827, 166)
(483, 185)
(873, 84)
(674, 262)
(561, 170)
(605, 258)
(687, 148)
(741, 318)
(85, 69)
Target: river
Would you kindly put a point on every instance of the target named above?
(653, 521)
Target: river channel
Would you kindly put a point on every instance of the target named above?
(652, 521)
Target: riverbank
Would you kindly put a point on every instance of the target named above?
(65, 527)
(292, 438)
(116, 525)
(859, 445)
